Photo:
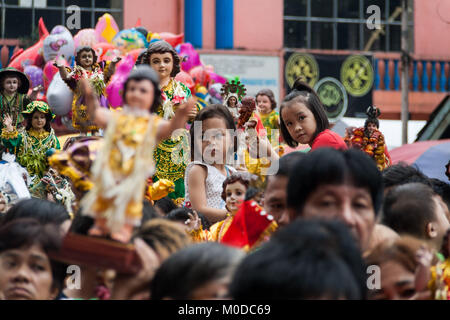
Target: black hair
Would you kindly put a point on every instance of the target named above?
(372, 117)
(25, 232)
(161, 46)
(269, 94)
(141, 73)
(307, 259)
(209, 112)
(191, 268)
(312, 101)
(408, 208)
(42, 210)
(182, 214)
(165, 204)
(286, 163)
(148, 212)
(402, 173)
(442, 189)
(331, 166)
(48, 120)
(82, 49)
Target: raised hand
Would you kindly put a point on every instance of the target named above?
(193, 223)
(7, 121)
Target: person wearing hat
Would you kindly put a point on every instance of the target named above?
(14, 87)
(32, 145)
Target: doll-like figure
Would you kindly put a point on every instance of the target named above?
(163, 58)
(14, 86)
(370, 140)
(98, 74)
(33, 145)
(232, 93)
(124, 163)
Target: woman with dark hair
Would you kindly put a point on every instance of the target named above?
(44, 211)
(163, 58)
(199, 272)
(311, 259)
(304, 121)
(337, 184)
(26, 271)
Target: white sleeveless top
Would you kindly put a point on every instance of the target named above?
(213, 184)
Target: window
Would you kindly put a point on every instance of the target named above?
(18, 21)
(342, 25)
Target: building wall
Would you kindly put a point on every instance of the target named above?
(258, 24)
(431, 23)
(154, 16)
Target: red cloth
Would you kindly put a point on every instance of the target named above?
(248, 225)
(330, 139)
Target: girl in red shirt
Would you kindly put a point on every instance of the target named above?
(303, 120)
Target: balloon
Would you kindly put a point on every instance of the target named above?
(202, 95)
(35, 75)
(129, 39)
(59, 96)
(185, 78)
(106, 28)
(200, 75)
(173, 39)
(32, 55)
(191, 58)
(49, 71)
(101, 48)
(215, 78)
(115, 86)
(214, 92)
(59, 43)
(135, 53)
(85, 37)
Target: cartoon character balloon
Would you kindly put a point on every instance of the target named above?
(190, 57)
(35, 74)
(32, 55)
(106, 28)
(129, 39)
(115, 86)
(59, 43)
(102, 48)
(59, 96)
(85, 37)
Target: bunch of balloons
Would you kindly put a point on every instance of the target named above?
(108, 42)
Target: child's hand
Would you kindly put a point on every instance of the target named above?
(188, 108)
(116, 60)
(193, 223)
(424, 257)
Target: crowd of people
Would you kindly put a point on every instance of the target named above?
(225, 201)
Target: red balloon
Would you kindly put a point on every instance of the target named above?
(33, 55)
(173, 39)
(185, 78)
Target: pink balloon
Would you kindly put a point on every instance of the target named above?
(85, 37)
(185, 78)
(200, 75)
(102, 49)
(115, 86)
(49, 72)
(215, 78)
(106, 28)
(187, 52)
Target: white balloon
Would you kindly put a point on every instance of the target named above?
(59, 43)
(59, 96)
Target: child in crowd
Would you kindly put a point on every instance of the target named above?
(33, 145)
(265, 101)
(303, 120)
(211, 150)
